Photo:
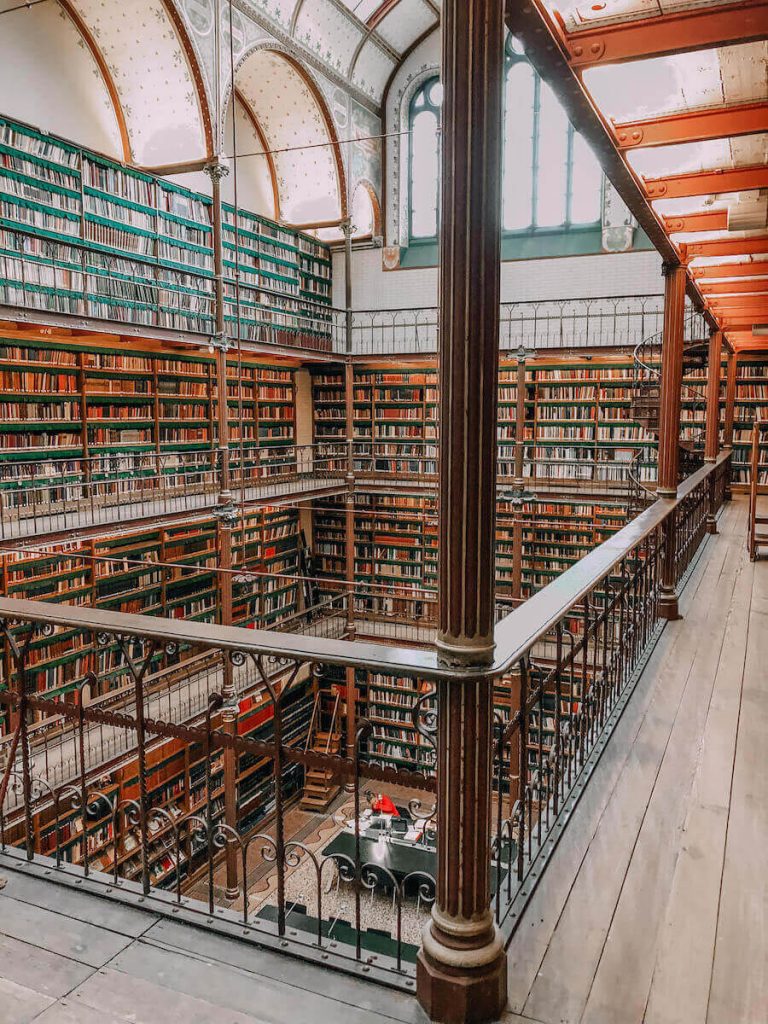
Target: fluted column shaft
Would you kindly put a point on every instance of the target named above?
(461, 969)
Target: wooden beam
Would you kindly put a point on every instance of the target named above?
(707, 220)
(665, 34)
(703, 183)
(729, 246)
(694, 126)
(731, 287)
(753, 268)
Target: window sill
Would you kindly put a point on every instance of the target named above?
(529, 246)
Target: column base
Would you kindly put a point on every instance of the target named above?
(668, 607)
(232, 894)
(711, 525)
(456, 985)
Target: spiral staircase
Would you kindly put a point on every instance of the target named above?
(646, 405)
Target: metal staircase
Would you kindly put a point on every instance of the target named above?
(646, 397)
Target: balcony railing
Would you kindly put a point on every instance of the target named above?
(565, 665)
(600, 322)
(56, 494)
(52, 285)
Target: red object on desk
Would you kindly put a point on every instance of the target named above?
(385, 806)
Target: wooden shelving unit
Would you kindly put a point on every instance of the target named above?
(84, 235)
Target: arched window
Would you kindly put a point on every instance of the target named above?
(551, 177)
(551, 181)
(424, 163)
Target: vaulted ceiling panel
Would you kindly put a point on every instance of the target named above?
(372, 70)
(295, 128)
(328, 32)
(405, 23)
(152, 75)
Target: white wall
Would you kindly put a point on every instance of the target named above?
(567, 277)
(254, 182)
(49, 79)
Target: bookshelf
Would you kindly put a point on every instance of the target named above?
(396, 543)
(60, 402)
(168, 571)
(751, 403)
(578, 424)
(84, 235)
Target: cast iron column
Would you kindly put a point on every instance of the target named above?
(712, 441)
(226, 515)
(349, 500)
(730, 402)
(461, 973)
(669, 424)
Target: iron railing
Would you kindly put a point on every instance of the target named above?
(565, 664)
(46, 495)
(52, 284)
(600, 322)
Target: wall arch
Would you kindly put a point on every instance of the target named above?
(292, 113)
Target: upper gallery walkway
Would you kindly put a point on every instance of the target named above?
(43, 498)
(653, 910)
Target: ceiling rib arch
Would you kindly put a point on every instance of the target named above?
(106, 75)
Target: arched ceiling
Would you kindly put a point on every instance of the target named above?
(297, 129)
(360, 41)
(148, 58)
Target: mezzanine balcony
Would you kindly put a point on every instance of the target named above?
(647, 815)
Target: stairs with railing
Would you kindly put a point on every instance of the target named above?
(320, 786)
(646, 397)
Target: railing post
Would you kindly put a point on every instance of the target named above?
(461, 970)
(669, 426)
(712, 443)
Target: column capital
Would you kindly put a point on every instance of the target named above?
(216, 170)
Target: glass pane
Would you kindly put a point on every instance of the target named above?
(553, 161)
(517, 195)
(424, 174)
(586, 184)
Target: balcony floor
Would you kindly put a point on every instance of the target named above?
(655, 908)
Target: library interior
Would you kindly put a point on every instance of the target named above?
(383, 511)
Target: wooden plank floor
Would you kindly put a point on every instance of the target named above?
(655, 907)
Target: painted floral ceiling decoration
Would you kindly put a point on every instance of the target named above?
(293, 121)
(144, 57)
(361, 42)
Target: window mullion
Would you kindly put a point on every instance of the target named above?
(535, 151)
(569, 176)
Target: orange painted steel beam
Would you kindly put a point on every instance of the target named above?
(704, 183)
(697, 29)
(729, 246)
(743, 287)
(693, 126)
(753, 268)
(707, 220)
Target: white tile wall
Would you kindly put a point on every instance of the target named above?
(633, 273)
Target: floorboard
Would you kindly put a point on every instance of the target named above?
(658, 887)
